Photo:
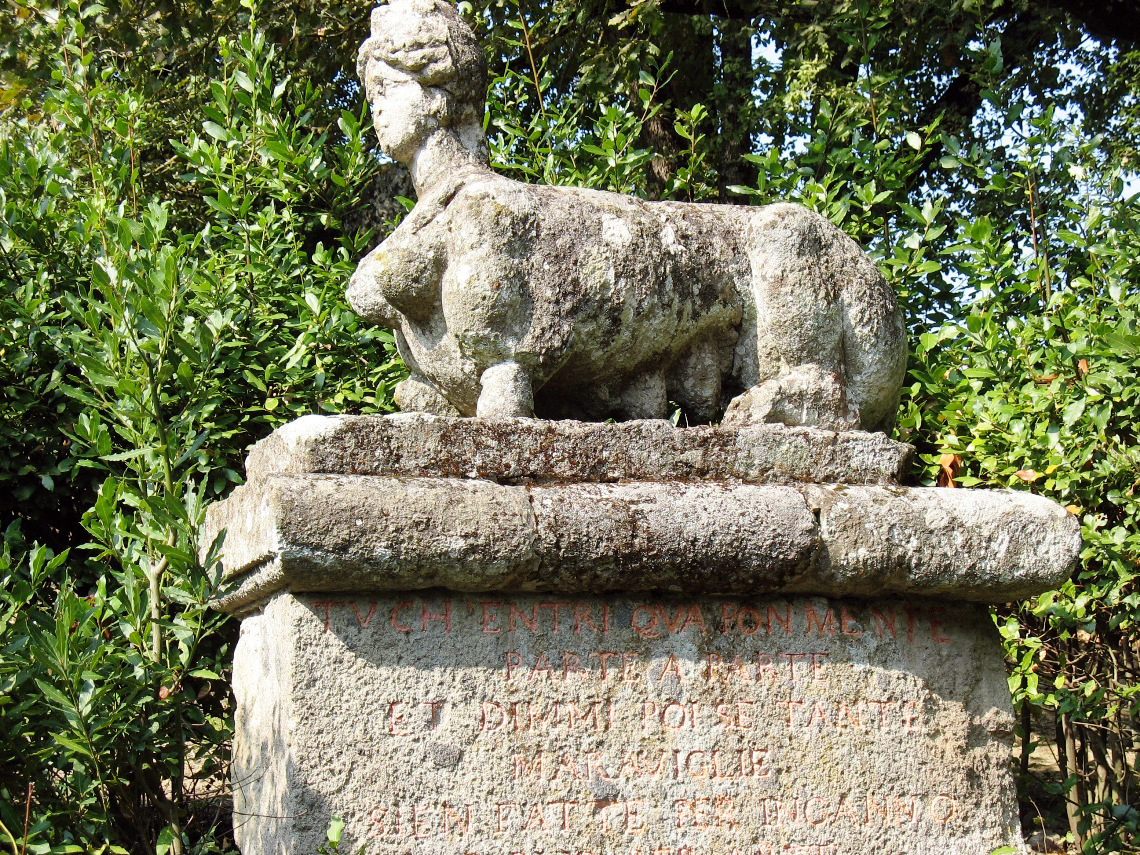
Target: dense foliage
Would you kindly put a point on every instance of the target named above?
(144, 347)
(180, 208)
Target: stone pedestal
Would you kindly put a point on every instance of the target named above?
(525, 637)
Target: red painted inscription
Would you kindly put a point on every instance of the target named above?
(648, 764)
(902, 622)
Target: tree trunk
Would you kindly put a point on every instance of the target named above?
(690, 80)
(734, 107)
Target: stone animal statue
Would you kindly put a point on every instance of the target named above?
(511, 299)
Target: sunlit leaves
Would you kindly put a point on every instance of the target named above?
(146, 344)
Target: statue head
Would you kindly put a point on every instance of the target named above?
(423, 71)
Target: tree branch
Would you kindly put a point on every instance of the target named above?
(962, 99)
(1116, 21)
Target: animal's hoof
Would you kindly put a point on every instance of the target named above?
(807, 395)
(507, 392)
(416, 396)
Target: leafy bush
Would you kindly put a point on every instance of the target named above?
(1026, 375)
(145, 347)
(1036, 387)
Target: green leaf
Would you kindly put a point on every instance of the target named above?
(242, 80)
(73, 745)
(131, 454)
(216, 131)
(1073, 412)
(277, 150)
(165, 841)
(1123, 342)
(54, 695)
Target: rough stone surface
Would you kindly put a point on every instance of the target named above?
(360, 533)
(536, 451)
(442, 723)
(512, 299)
(982, 545)
(502, 636)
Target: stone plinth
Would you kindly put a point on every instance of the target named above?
(521, 451)
(464, 636)
(446, 723)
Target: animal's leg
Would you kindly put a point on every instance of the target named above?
(804, 395)
(695, 380)
(365, 296)
(416, 395)
(644, 398)
(874, 346)
(798, 261)
(507, 392)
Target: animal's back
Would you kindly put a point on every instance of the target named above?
(612, 305)
(604, 286)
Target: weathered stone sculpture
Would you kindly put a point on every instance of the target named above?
(512, 299)
(511, 636)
